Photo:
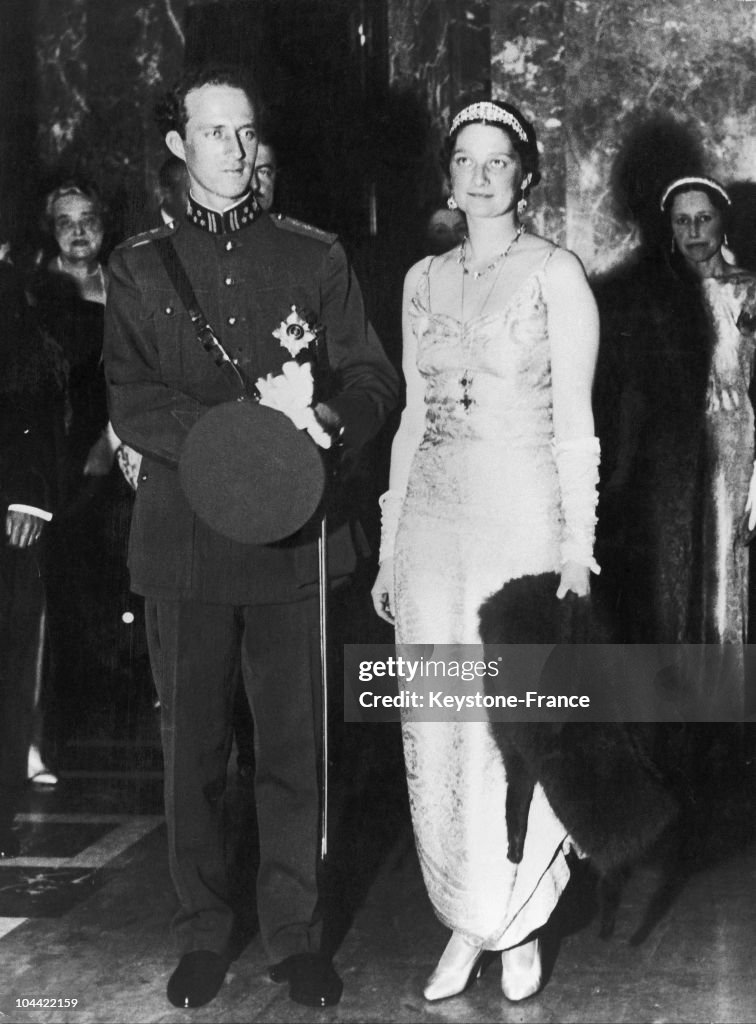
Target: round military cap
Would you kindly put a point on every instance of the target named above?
(250, 474)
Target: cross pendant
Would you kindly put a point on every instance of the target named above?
(465, 400)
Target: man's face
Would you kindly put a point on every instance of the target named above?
(78, 228)
(264, 177)
(219, 144)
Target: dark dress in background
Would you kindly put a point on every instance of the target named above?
(96, 654)
(675, 475)
(650, 401)
(31, 433)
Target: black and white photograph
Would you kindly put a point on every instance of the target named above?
(378, 481)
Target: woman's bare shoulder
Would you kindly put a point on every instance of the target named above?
(556, 257)
(415, 272)
(563, 267)
(430, 265)
(531, 242)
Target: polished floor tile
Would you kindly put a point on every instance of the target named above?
(85, 913)
(44, 892)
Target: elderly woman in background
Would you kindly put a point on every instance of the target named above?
(493, 477)
(70, 292)
(88, 579)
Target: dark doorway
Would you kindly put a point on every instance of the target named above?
(18, 129)
(309, 60)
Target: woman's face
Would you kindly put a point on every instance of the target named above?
(697, 226)
(486, 171)
(78, 228)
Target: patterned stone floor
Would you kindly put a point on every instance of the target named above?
(84, 912)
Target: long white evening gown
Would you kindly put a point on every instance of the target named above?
(482, 507)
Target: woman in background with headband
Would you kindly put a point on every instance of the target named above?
(715, 610)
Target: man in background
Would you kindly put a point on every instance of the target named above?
(264, 176)
(173, 189)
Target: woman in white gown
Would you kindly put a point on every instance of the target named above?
(493, 476)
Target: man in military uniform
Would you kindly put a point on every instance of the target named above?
(213, 602)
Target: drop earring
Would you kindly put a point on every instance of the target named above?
(451, 202)
(522, 202)
(727, 254)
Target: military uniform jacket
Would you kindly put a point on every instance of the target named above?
(247, 269)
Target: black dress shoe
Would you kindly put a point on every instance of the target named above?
(10, 845)
(311, 977)
(197, 979)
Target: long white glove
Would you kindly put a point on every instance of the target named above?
(390, 503)
(577, 465)
(382, 591)
(291, 392)
(751, 500)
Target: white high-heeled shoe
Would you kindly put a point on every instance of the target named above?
(521, 970)
(458, 964)
(37, 771)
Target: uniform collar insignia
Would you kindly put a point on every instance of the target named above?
(233, 219)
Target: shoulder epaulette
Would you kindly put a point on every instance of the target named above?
(300, 228)
(149, 236)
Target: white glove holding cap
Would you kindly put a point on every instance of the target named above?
(291, 392)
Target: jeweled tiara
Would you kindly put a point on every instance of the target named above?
(488, 112)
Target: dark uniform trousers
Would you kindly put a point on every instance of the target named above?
(194, 649)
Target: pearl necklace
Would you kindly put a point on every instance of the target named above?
(477, 274)
(466, 380)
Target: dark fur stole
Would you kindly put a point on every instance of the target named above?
(597, 776)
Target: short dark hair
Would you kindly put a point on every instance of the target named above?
(526, 149)
(170, 110)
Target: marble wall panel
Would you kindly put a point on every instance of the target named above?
(100, 67)
(653, 87)
(623, 93)
(470, 46)
(419, 67)
(62, 90)
(419, 51)
(528, 69)
(439, 50)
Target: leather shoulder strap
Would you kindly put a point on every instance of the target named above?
(206, 336)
